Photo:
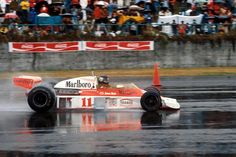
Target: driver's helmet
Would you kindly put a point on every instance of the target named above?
(103, 80)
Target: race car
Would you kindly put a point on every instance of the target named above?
(91, 92)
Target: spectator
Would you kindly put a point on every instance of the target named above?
(67, 24)
(112, 7)
(75, 12)
(32, 3)
(182, 28)
(97, 13)
(148, 16)
(193, 11)
(165, 4)
(213, 14)
(104, 14)
(43, 9)
(3, 5)
(233, 22)
(172, 3)
(221, 28)
(13, 6)
(162, 12)
(32, 15)
(167, 12)
(56, 10)
(155, 6)
(196, 28)
(205, 17)
(174, 27)
(113, 21)
(24, 10)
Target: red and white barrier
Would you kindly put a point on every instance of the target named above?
(41, 47)
(29, 47)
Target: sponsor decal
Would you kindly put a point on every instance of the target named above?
(111, 102)
(133, 45)
(60, 46)
(126, 102)
(24, 81)
(79, 84)
(107, 93)
(27, 46)
(139, 45)
(103, 45)
(63, 46)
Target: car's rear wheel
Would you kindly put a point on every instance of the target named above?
(41, 98)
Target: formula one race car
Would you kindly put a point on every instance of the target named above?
(91, 92)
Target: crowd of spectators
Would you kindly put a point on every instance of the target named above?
(100, 18)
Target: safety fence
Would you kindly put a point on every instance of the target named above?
(114, 30)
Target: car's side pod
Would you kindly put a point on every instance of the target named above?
(151, 99)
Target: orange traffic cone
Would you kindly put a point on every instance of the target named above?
(156, 78)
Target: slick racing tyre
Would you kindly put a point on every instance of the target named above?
(41, 98)
(152, 89)
(151, 101)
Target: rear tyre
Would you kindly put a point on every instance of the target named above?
(41, 99)
(151, 101)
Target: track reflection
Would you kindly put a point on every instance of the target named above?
(69, 122)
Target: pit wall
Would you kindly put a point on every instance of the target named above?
(168, 55)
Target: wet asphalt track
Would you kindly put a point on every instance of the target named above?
(205, 125)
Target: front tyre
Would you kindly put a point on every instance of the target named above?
(151, 101)
(41, 99)
(152, 89)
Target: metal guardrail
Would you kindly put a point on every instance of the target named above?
(115, 29)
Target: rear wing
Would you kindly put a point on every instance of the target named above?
(26, 82)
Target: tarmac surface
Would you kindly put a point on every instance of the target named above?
(204, 126)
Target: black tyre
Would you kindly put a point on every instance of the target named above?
(152, 89)
(41, 98)
(151, 101)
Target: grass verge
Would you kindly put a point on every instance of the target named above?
(128, 72)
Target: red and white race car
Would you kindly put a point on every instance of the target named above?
(92, 92)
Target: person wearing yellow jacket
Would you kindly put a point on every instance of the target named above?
(24, 10)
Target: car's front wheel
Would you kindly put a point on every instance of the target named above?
(151, 101)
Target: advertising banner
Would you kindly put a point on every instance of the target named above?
(27, 47)
(62, 46)
(30, 47)
(73, 46)
(179, 18)
(101, 46)
(136, 45)
(119, 46)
